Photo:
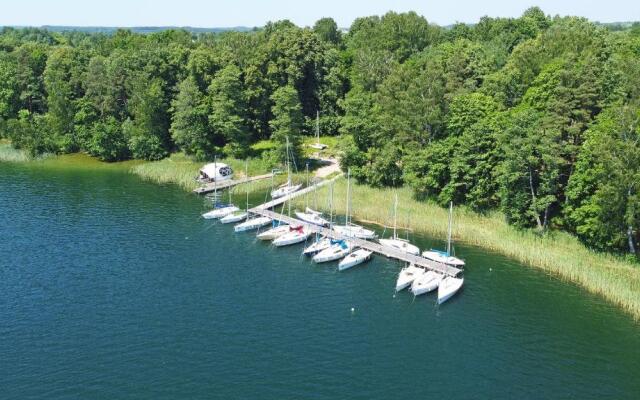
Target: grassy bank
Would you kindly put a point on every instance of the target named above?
(182, 170)
(9, 154)
(557, 253)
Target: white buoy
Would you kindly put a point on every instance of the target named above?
(353, 310)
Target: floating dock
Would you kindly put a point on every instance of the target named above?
(213, 186)
(387, 251)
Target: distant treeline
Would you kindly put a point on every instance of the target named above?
(134, 29)
(535, 116)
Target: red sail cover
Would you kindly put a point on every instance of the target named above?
(297, 228)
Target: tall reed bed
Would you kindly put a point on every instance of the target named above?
(10, 154)
(557, 253)
(182, 170)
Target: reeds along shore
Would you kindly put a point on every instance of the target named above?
(556, 252)
(182, 170)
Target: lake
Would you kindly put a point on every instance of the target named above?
(111, 287)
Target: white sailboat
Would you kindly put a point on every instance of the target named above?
(275, 232)
(295, 235)
(426, 283)
(309, 215)
(407, 275)
(317, 145)
(448, 287)
(234, 217)
(238, 215)
(317, 246)
(337, 250)
(349, 229)
(399, 243)
(442, 256)
(252, 223)
(321, 242)
(278, 228)
(357, 257)
(219, 209)
(312, 217)
(287, 187)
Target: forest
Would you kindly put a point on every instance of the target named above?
(537, 116)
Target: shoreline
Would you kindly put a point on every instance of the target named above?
(557, 253)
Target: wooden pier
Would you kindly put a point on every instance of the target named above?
(387, 251)
(308, 189)
(213, 186)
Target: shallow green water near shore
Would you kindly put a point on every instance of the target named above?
(111, 287)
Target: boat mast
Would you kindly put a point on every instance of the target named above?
(331, 206)
(246, 171)
(317, 127)
(449, 236)
(215, 183)
(288, 164)
(348, 190)
(306, 195)
(395, 217)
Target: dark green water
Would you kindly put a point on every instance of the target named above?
(115, 288)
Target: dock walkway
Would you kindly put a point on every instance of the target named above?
(212, 186)
(387, 251)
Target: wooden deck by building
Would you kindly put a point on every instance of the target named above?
(212, 186)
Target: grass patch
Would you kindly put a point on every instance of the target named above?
(557, 253)
(331, 150)
(10, 154)
(181, 170)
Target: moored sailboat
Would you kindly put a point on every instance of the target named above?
(295, 235)
(448, 287)
(445, 257)
(407, 275)
(349, 229)
(337, 250)
(288, 187)
(426, 283)
(396, 242)
(355, 258)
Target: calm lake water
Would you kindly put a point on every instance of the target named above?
(115, 288)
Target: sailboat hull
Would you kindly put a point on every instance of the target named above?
(251, 224)
(449, 287)
(426, 283)
(440, 257)
(317, 246)
(401, 245)
(355, 231)
(220, 212)
(232, 218)
(273, 233)
(333, 253)
(356, 258)
(407, 275)
(291, 238)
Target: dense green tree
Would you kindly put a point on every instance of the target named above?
(530, 172)
(190, 126)
(287, 122)
(327, 30)
(229, 110)
(604, 192)
(147, 131)
(62, 93)
(107, 141)
(534, 116)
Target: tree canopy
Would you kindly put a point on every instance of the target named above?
(537, 117)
